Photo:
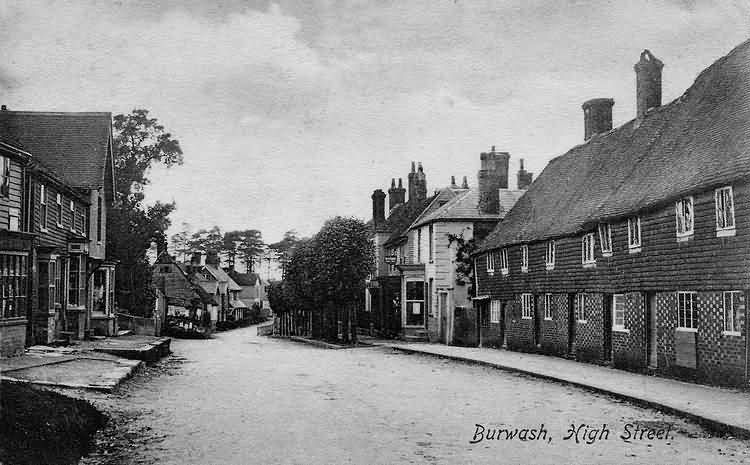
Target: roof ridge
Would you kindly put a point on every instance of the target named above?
(59, 113)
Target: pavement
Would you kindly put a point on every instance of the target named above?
(99, 365)
(720, 409)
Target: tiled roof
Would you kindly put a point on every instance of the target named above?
(73, 145)
(244, 279)
(223, 277)
(237, 304)
(695, 143)
(465, 207)
(401, 217)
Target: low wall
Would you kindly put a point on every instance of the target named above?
(139, 325)
(12, 337)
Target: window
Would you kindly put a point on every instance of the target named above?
(724, 211)
(419, 245)
(72, 209)
(504, 261)
(581, 308)
(618, 312)
(58, 267)
(605, 239)
(99, 291)
(13, 219)
(52, 274)
(43, 207)
(431, 243)
(99, 215)
(524, 258)
(549, 257)
(415, 294)
(634, 234)
(734, 312)
(683, 210)
(495, 311)
(443, 303)
(527, 306)
(13, 284)
(686, 303)
(587, 249)
(547, 306)
(59, 211)
(4, 176)
(76, 281)
(491, 262)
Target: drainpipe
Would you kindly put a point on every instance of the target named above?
(747, 342)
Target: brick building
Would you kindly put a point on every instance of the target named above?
(633, 247)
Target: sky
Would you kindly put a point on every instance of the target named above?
(292, 112)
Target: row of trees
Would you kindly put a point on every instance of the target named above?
(324, 280)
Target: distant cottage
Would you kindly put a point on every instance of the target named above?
(633, 247)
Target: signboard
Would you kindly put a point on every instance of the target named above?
(391, 259)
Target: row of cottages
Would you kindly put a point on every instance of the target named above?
(415, 292)
(56, 184)
(199, 290)
(253, 291)
(634, 247)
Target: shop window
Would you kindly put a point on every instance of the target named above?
(99, 291)
(415, 294)
(77, 281)
(13, 285)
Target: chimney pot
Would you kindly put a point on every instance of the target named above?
(597, 116)
(465, 184)
(3, 108)
(647, 82)
(524, 178)
(492, 176)
(396, 195)
(195, 259)
(453, 181)
(212, 258)
(378, 206)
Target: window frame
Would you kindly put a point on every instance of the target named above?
(4, 176)
(682, 312)
(524, 258)
(549, 255)
(602, 228)
(72, 209)
(615, 325)
(726, 230)
(419, 245)
(527, 306)
(634, 247)
(77, 287)
(14, 214)
(43, 210)
(680, 220)
(581, 307)
(431, 242)
(495, 306)
(588, 247)
(59, 209)
(491, 262)
(504, 268)
(547, 299)
(731, 331)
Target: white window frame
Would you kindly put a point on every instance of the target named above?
(524, 258)
(527, 306)
(44, 212)
(14, 219)
(682, 313)
(605, 239)
(618, 299)
(548, 307)
(495, 311)
(59, 212)
(684, 213)
(4, 176)
(588, 243)
(504, 270)
(634, 225)
(729, 329)
(491, 262)
(724, 205)
(72, 209)
(581, 308)
(549, 257)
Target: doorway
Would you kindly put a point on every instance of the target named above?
(443, 311)
(607, 336)
(571, 324)
(651, 329)
(537, 326)
(504, 315)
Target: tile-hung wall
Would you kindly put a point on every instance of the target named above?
(710, 260)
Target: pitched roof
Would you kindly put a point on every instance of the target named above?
(244, 279)
(74, 145)
(695, 143)
(402, 216)
(465, 207)
(223, 277)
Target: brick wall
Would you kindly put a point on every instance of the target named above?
(12, 337)
(520, 330)
(589, 336)
(630, 347)
(554, 332)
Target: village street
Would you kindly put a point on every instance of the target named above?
(241, 398)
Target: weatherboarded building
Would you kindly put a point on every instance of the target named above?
(634, 247)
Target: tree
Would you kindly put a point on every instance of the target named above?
(180, 242)
(139, 143)
(206, 240)
(285, 248)
(250, 247)
(464, 261)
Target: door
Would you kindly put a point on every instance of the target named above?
(652, 326)
(415, 303)
(504, 315)
(571, 324)
(443, 312)
(607, 336)
(537, 324)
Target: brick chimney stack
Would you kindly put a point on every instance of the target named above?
(396, 195)
(597, 116)
(647, 82)
(465, 184)
(378, 206)
(212, 258)
(524, 178)
(493, 176)
(195, 259)
(417, 183)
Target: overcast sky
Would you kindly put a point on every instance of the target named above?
(292, 112)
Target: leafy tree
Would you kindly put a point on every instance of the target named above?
(250, 248)
(180, 242)
(139, 143)
(464, 262)
(285, 248)
(207, 240)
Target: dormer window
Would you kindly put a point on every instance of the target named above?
(72, 208)
(524, 259)
(490, 262)
(43, 207)
(504, 270)
(634, 234)
(587, 250)
(683, 210)
(724, 212)
(4, 176)
(59, 203)
(605, 239)
(549, 258)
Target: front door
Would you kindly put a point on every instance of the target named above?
(537, 326)
(651, 322)
(504, 315)
(415, 303)
(443, 311)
